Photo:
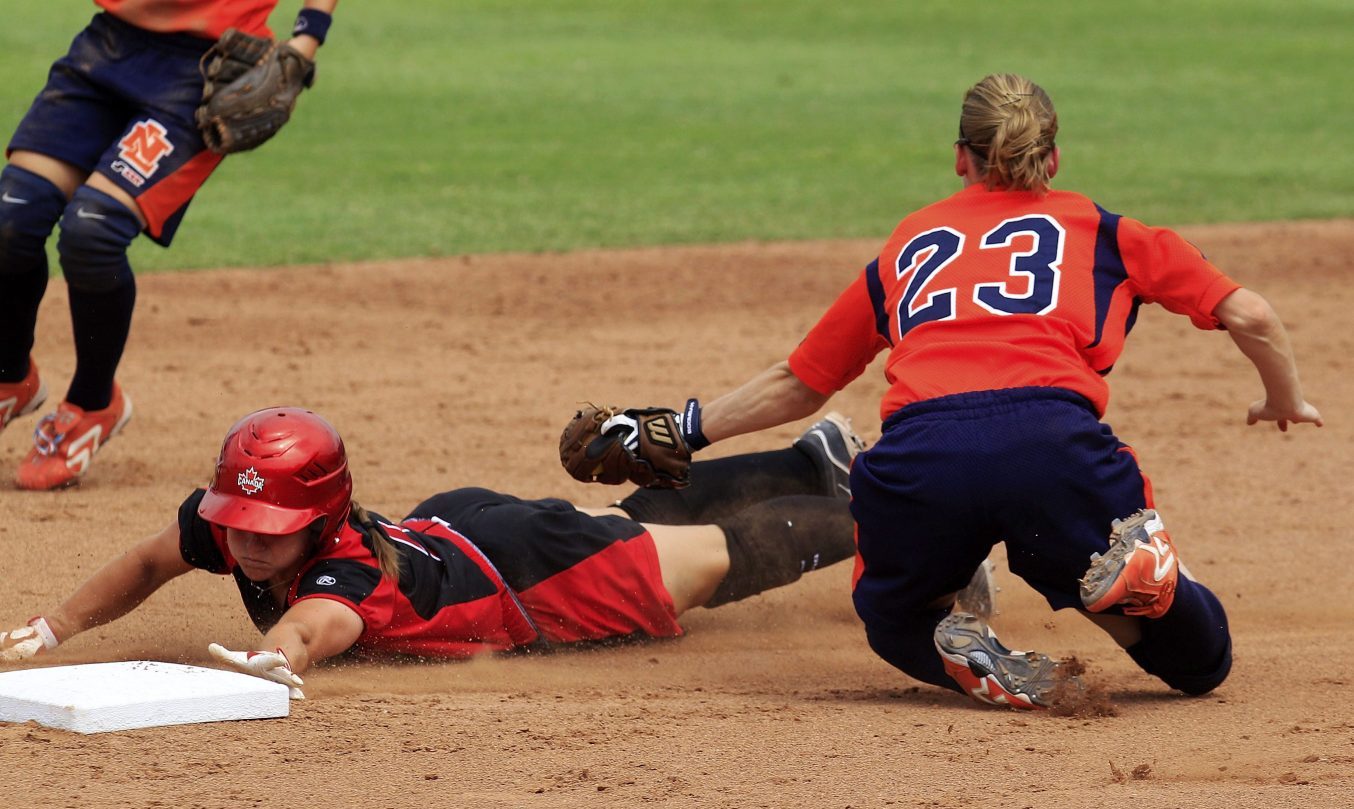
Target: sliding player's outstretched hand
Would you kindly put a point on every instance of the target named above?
(268, 665)
(26, 641)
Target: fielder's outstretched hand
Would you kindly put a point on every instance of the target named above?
(26, 641)
(641, 445)
(1262, 410)
(268, 665)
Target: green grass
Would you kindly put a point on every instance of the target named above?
(441, 127)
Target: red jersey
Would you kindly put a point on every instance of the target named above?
(204, 18)
(449, 602)
(988, 290)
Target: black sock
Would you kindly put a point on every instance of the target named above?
(725, 486)
(774, 543)
(101, 323)
(32, 206)
(19, 299)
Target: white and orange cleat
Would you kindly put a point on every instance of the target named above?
(65, 442)
(988, 671)
(22, 397)
(1139, 571)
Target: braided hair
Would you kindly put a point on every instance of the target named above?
(387, 555)
(1008, 123)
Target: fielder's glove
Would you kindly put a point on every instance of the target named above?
(26, 641)
(250, 86)
(641, 445)
(268, 665)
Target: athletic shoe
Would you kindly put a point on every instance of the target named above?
(832, 444)
(22, 397)
(1139, 571)
(988, 671)
(979, 596)
(65, 442)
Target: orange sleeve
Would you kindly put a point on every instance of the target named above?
(843, 342)
(1166, 269)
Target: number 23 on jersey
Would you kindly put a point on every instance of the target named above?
(1027, 284)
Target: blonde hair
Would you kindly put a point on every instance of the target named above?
(1009, 125)
(387, 557)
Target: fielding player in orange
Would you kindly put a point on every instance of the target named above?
(470, 570)
(109, 149)
(1002, 308)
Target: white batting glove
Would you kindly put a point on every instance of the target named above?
(268, 665)
(627, 427)
(26, 641)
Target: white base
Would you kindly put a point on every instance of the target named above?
(99, 697)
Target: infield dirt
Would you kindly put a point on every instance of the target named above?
(462, 371)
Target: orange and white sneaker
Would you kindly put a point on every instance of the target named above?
(1139, 571)
(23, 397)
(988, 671)
(65, 442)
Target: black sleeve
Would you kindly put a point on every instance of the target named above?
(196, 543)
(347, 579)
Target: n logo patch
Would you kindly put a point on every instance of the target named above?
(145, 146)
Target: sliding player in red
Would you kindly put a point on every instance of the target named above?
(470, 570)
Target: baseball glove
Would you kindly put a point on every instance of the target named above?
(250, 86)
(641, 445)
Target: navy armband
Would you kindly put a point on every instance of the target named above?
(691, 426)
(312, 22)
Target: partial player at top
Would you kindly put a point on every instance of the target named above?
(112, 147)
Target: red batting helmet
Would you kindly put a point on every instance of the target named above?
(280, 470)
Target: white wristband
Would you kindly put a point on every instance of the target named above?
(45, 632)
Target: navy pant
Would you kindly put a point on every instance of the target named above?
(951, 477)
(121, 103)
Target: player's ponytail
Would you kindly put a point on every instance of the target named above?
(1009, 125)
(387, 557)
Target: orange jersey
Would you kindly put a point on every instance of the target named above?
(989, 290)
(204, 18)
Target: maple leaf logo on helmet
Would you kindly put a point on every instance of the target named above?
(250, 481)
